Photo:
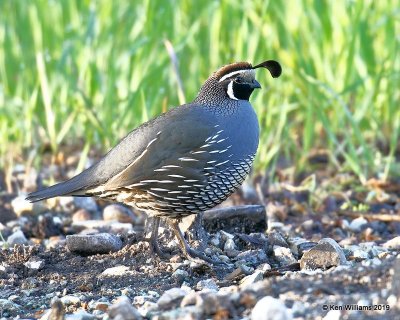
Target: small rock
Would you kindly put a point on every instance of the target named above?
(4, 274)
(243, 219)
(180, 275)
(367, 245)
(223, 258)
(392, 301)
(230, 248)
(81, 215)
(254, 239)
(253, 257)
(264, 267)
(216, 240)
(102, 306)
(309, 225)
(94, 244)
(208, 284)
(345, 224)
(210, 303)
(258, 275)
(357, 224)
(7, 305)
(34, 264)
(86, 203)
(226, 235)
(117, 212)
(140, 300)
(392, 243)
(371, 262)
(275, 238)
(127, 291)
(70, 300)
(171, 298)
(360, 254)
(300, 245)
(269, 308)
(123, 310)
(234, 274)
(283, 255)
(383, 255)
(24, 207)
(229, 290)
(80, 315)
(372, 249)
(186, 313)
(333, 315)
(116, 271)
(147, 308)
(17, 237)
(189, 299)
(305, 246)
(294, 244)
(327, 253)
(199, 266)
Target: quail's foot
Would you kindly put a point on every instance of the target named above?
(189, 252)
(153, 239)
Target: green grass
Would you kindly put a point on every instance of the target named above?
(97, 69)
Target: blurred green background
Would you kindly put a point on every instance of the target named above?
(94, 70)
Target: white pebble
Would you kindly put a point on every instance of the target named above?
(269, 308)
(116, 271)
(392, 243)
(208, 284)
(357, 224)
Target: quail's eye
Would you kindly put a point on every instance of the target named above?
(239, 80)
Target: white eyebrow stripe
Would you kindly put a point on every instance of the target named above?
(231, 74)
(251, 72)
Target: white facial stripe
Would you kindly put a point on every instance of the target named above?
(230, 75)
(251, 71)
(230, 91)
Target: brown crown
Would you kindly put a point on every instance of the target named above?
(231, 68)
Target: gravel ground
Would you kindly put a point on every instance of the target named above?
(284, 252)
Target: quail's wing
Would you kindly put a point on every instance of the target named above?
(180, 152)
(152, 145)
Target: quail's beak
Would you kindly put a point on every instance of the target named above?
(255, 84)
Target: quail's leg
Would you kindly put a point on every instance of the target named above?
(187, 250)
(197, 231)
(153, 240)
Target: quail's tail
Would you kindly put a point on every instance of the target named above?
(69, 187)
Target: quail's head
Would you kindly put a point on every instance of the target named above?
(235, 81)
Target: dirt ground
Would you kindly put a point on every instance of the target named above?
(66, 273)
(359, 219)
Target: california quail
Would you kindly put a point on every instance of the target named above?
(186, 160)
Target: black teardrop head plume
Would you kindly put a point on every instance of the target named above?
(273, 67)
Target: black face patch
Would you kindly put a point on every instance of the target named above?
(242, 91)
